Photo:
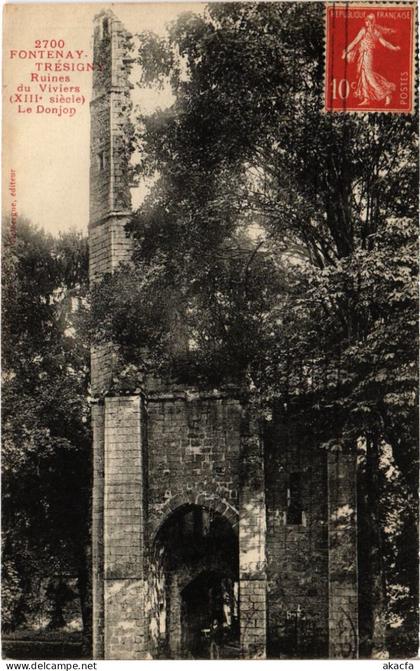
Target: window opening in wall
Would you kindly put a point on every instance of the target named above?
(105, 28)
(101, 160)
(294, 513)
(162, 619)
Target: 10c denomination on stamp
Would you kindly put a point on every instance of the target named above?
(370, 57)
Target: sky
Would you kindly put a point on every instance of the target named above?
(49, 154)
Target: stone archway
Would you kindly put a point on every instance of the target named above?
(194, 575)
(211, 502)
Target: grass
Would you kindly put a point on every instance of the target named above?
(42, 644)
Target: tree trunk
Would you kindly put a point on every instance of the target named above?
(375, 554)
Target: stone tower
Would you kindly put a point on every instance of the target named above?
(115, 576)
(192, 519)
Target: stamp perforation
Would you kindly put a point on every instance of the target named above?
(375, 78)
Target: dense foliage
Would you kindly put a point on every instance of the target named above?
(46, 432)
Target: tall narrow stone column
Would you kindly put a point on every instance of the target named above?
(124, 594)
(119, 621)
(342, 558)
(98, 427)
(252, 530)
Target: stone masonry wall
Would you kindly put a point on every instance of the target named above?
(297, 554)
(124, 525)
(252, 543)
(202, 451)
(108, 246)
(193, 453)
(110, 107)
(98, 429)
(100, 158)
(193, 443)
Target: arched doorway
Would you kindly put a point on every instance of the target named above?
(195, 573)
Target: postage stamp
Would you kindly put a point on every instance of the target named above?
(370, 57)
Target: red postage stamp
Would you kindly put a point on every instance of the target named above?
(370, 52)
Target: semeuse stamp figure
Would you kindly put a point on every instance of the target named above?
(370, 84)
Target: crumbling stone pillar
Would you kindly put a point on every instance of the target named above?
(174, 618)
(252, 530)
(342, 560)
(97, 531)
(124, 594)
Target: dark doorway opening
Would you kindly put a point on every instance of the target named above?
(209, 615)
(197, 559)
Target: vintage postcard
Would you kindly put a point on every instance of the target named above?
(210, 332)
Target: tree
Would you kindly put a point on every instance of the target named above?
(46, 434)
